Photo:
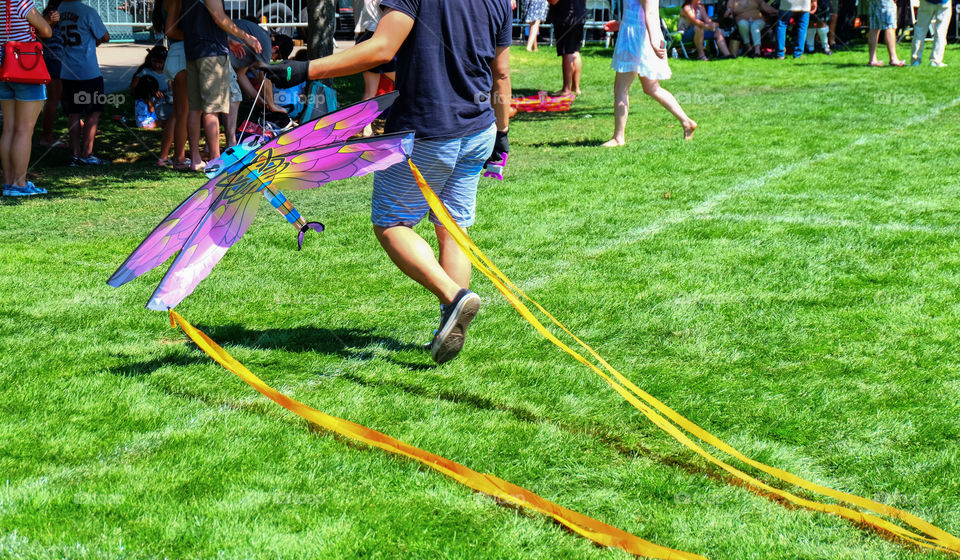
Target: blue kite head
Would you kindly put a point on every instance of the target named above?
(233, 155)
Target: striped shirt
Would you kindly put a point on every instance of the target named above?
(20, 29)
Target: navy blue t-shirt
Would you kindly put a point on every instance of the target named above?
(202, 37)
(443, 68)
(567, 13)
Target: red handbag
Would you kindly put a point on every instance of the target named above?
(23, 60)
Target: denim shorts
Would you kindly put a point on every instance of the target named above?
(176, 61)
(452, 169)
(688, 34)
(22, 92)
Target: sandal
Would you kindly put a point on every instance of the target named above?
(703, 58)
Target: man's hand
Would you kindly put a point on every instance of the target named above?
(287, 74)
(252, 42)
(236, 47)
(612, 26)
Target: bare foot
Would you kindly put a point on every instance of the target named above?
(613, 143)
(897, 63)
(689, 128)
(561, 93)
(875, 63)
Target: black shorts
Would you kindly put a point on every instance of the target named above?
(383, 68)
(569, 38)
(82, 97)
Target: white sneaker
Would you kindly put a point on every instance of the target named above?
(936, 64)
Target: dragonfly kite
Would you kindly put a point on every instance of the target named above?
(217, 214)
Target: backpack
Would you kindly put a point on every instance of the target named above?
(320, 100)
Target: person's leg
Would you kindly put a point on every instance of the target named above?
(89, 134)
(371, 81)
(811, 34)
(941, 21)
(743, 26)
(193, 131)
(698, 42)
(621, 108)
(25, 120)
(230, 124)
(669, 102)
(50, 111)
(415, 258)
(181, 113)
(920, 31)
(577, 70)
(533, 41)
(756, 29)
(75, 129)
(567, 75)
(890, 36)
(453, 261)
(873, 36)
(721, 43)
(824, 41)
(803, 21)
(782, 22)
(833, 29)
(9, 108)
(211, 132)
(166, 141)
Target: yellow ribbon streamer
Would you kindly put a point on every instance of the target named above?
(597, 531)
(935, 538)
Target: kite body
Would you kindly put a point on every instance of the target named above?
(542, 102)
(203, 227)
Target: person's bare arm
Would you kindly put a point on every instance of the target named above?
(223, 21)
(392, 31)
(104, 39)
(502, 90)
(172, 29)
(691, 15)
(36, 19)
(651, 9)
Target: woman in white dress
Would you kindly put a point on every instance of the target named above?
(640, 51)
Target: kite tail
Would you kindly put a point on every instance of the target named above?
(279, 201)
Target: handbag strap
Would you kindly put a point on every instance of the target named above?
(9, 13)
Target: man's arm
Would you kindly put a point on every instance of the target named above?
(392, 31)
(172, 30)
(104, 39)
(223, 21)
(502, 90)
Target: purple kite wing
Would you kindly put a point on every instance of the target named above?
(332, 127)
(352, 158)
(224, 225)
(168, 237)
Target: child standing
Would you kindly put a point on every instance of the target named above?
(641, 52)
(936, 12)
(82, 31)
(820, 13)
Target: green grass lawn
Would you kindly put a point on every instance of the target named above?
(787, 280)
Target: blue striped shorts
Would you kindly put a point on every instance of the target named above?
(452, 169)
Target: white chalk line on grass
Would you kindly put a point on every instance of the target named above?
(708, 205)
(711, 202)
(819, 222)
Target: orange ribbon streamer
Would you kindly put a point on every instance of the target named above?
(933, 537)
(597, 531)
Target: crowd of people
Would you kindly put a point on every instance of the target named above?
(736, 27)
